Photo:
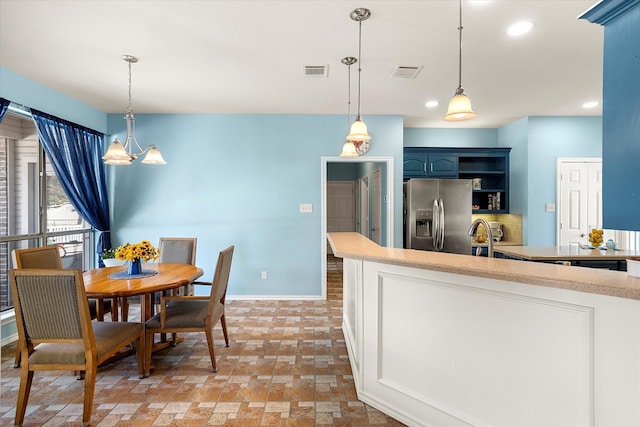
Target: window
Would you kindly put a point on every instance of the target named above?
(34, 210)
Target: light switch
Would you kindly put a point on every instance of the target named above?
(306, 208)
(551, 207)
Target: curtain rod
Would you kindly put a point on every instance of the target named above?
(20, 110)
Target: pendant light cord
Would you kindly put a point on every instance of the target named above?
(359, 62)
(349, 61)
(349, 98)
(460, 50)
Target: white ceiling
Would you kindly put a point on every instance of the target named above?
(242, 56)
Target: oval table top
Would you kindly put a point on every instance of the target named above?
(170, 276)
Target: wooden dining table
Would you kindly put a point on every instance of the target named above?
(163, 277)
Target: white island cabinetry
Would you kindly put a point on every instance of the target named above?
(452, 340)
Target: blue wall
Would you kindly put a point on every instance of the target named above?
(239, 179)
(515, 135)
(550, 138)
(450, 137)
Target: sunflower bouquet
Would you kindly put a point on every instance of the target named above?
(144, 251)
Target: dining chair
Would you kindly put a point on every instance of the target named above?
(186, 313)
(55, 331)
(181, 250)
(48, 257)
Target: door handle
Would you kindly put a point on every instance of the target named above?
(441, 213)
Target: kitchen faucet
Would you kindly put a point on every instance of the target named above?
(474, 229)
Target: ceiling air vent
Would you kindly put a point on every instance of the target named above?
(406, 72)
(316, 71)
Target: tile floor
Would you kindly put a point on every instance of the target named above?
(287, 366)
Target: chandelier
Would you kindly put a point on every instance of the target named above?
(119, 154)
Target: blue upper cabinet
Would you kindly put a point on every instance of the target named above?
(442, 165)
(415, 164)
(489, 167)
(421, 163)
(620, 111)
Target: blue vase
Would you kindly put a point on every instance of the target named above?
(134, 267)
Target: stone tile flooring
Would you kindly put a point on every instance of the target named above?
(287, 366)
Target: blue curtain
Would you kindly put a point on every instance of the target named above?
(4, 106)
(75, 153)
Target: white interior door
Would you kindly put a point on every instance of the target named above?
(340, 206)
(376, 207)
(580, 199)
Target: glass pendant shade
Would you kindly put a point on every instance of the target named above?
(154, 157)
(460, 108)
(116, 154)
(348, 150)
(358, 131)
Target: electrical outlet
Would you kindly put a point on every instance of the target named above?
(306, 208)
(263, 275)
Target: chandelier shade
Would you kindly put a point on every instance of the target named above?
(349, 150)
(122, 154)
(460, 108)
(359, 131)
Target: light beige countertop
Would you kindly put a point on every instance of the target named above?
(565, 253)
(581, 279)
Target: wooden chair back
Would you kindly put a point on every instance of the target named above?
(51, 306)
(47, 257)
(221, 277)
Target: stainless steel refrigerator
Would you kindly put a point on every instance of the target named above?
(438, 215)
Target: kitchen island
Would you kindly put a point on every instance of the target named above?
(455, 340)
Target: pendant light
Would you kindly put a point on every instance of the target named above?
(119, 154)
(460, 106)
(359, 134)
(348, 149)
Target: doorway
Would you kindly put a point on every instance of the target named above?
(340, 207)
(386, 209)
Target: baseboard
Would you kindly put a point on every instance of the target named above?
(275, 297)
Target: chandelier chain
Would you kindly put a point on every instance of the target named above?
(129, 108)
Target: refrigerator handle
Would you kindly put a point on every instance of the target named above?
(441, 222)
(436, 225)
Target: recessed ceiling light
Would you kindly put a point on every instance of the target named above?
(590, 104)
(520, 28)
(431, 104)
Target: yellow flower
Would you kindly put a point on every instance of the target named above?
(143, 250)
